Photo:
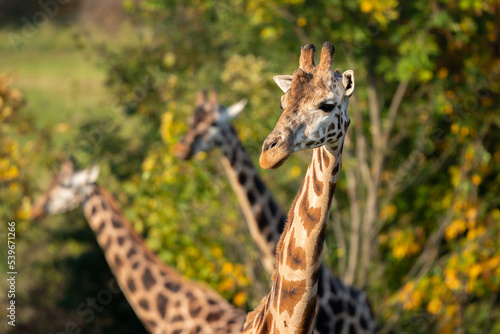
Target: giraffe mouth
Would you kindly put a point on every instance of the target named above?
(280, 163)
(37, 212)
(182, 152)
(273, 159)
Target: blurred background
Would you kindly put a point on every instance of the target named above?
(416, 215)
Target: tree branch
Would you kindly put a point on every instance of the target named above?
(393, 110)
(374, 111)
(355, 218)
(339, 236)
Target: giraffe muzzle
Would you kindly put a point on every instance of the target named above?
(182, 152)
(274, 153)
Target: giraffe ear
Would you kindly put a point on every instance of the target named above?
(236, 108)
(93, 173)
(348, 82)
(283, 81)
(85, 177)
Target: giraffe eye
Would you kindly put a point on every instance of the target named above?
(327, 107)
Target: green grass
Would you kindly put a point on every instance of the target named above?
(62, 84)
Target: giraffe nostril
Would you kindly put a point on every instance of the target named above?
(270, 144)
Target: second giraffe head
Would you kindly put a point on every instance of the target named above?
(207, 125)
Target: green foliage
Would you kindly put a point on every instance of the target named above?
(433, 240)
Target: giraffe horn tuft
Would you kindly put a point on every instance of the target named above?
(306, 60)
(327, 52)
(300, 73)
(201, 97)
(67, 168)
(214, 97)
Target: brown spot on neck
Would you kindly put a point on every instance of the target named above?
(308, 316)
(295, 256)
(317, 184)
(147, 279)
(318, 159)
(291, 294)
(326, 158)
(310, 216)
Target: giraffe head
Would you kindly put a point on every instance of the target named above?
(66, 192)
(207, 125)
(315, 107)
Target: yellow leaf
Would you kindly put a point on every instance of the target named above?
(201, 156)
(476, 179)
(442, 73)
(387, 211)
(434, 306)
(471, 214)
(448, 109)
(301, 21)
(268, 33)
(294, 172)
(426, 75)
(240, 298)
(152, 203)
(447, 328)
(227, 268)
(451, 309)
(169, 59)
(464, 131)
(451, 280)
(148, 164)
(217, 252)
(366, 6)
(62, 127)
(399, 251)
(475, 270)
(450, 94)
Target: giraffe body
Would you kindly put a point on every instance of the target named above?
(163, 300)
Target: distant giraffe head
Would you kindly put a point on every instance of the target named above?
(67, 190)
(315, 107)
(207, 125)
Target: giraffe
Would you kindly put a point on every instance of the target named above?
(315, 117)
(163, 300)
(210, 127)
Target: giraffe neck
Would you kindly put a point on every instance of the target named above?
(163, 300)
(290, 306)
(264, 217)
(338, 304)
